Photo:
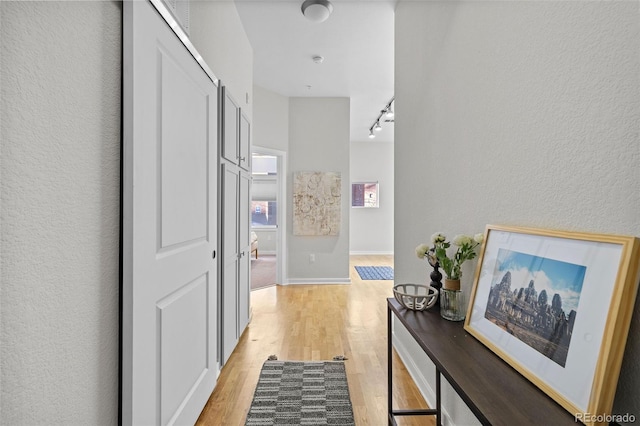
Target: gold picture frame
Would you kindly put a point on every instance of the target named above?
(556, 306)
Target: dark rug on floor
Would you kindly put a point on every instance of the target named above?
(263, 272)
(375, 272)
(301, 393)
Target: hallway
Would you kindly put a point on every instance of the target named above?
(317, 322)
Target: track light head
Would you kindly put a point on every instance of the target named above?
(387, 113)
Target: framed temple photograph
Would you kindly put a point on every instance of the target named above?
(557, 306)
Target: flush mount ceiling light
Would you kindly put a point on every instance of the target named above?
(316, 10)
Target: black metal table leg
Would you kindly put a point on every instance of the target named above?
(391, 412)
(438, 406)
(389, 370)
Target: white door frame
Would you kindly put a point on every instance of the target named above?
(281, 229)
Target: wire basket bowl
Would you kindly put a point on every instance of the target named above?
(417, 297)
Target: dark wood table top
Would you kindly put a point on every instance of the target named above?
(495, 392)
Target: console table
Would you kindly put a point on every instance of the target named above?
(496, 393)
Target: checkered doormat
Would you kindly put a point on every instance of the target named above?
(301, 393)
(375, 272)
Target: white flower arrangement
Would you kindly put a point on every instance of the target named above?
(460, 240)
(422, 250)
(451, 265)
(438, 238)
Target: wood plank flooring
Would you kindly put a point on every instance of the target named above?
(318, 322)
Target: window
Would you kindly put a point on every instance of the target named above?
(264, 192)
(264, 214)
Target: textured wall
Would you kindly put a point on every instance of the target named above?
(217, 33)
(319, 141)
(372, 229)
(60, 112)
(523, 113)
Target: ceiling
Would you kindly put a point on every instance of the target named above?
(356, 42)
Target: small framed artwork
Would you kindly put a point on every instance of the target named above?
(557, 306)
(364, 195)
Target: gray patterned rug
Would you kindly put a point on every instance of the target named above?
(301, 393)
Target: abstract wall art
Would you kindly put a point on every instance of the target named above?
(316, 203)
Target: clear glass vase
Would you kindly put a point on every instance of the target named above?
(453, 305)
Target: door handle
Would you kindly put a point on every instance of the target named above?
(213, 255)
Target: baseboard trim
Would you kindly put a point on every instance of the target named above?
(364, 253)
(317, 281)
(427, 392)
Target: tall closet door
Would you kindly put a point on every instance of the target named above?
(230, 130)
(235, 226)
(169, 237)
(245, 143)
(244, 278)
(231, 254)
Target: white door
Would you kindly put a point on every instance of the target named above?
(169, 290)
(231, 255)
(245, 143)
(230, 112)
(244, 235)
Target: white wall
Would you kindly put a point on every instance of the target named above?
(523, 113)
(60, 163)
(371, 230)
(266, 241)
(270, 119)
(319, 141)
(60, 121)
(270, 130)
(217, 33)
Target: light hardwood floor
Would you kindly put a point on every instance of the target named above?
(317, 322)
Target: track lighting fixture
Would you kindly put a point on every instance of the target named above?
(386, 112)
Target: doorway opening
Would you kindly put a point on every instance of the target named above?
(268, 217)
